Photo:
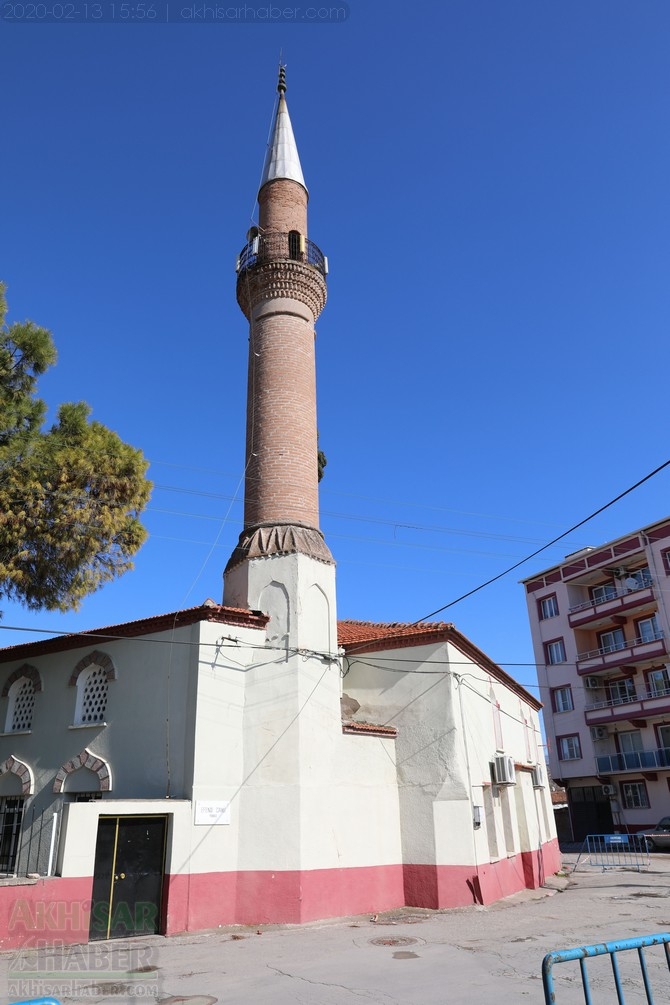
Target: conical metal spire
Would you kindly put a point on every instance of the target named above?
(281, 159)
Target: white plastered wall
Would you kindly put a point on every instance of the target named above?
(441, 703)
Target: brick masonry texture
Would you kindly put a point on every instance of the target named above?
(281, 299)
(283, 207)
(32, 673)
(282, 477)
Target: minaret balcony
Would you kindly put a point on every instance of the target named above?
(291, 247)
(281, 265)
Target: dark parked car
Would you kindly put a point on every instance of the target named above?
(659, 838)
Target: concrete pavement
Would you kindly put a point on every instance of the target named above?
(406, 957)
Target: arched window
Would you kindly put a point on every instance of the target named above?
(91, 696)
(295, 245)
(21, 704)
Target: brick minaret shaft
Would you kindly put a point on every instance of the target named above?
(281, 289)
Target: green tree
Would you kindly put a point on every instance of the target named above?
(70, 496)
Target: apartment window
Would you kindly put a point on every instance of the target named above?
(11, 814)
(666, 561)
(561, 699)
(634, 795)
(639, 579)
(605, 591)
(555, 652)
(630, 741)
(612, 641)
(659, 681)
(647, 629)
(620, 691)
(548, 607)
(569, 748)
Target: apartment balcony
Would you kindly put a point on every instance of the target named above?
(652, 647)
(620, 602)
(638, 760)
(645, 705)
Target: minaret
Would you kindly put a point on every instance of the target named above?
(281, 289)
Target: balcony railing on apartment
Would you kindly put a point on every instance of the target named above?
(643, 584)
(659, 692)
(619, 646)
(635, 760)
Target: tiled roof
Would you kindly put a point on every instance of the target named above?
(209, 611)
(370, 637)
(369, 729)
(355, 634)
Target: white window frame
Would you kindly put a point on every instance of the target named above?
(618, 640)
(569, 748)
(659, 682)
(548, 607)
(653, 634)
(603, 592)
(566, 693)
(634, 795)
(558, 646)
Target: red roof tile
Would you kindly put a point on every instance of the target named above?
(369, 637)
(369, 729)
(209, 611)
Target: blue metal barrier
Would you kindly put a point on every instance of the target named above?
(611, 949)
(615, 851)
(37, 1001)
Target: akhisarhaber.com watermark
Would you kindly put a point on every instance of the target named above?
(166, 12)
(55, 970)
(219, 12)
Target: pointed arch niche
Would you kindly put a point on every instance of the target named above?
(91, 677)
(21, 687)
(23, 771)
(98, 765)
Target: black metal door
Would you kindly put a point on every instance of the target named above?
(128, 877)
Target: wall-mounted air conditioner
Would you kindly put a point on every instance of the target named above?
(537, 774)
(599, 732)
(592, 683)
(609, 790)
(503, 769)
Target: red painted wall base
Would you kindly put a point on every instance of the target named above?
(57, 910)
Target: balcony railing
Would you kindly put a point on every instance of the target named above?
(659, 692)
(636, 760)
(644, 584)
(281, 247)
(617, 647)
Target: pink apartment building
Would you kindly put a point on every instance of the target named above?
(600, 628)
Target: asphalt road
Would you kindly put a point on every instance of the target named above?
(408, 957)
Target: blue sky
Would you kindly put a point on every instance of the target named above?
(489, 179)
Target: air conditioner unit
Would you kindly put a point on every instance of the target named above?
(609, 790)
(537, 775)
(503, 768)
(599, 732)
(592, 683)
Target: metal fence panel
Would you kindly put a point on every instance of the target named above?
(615, 851)
(651, 973)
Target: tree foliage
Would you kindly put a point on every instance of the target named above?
(70, 496)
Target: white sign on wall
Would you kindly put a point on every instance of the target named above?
(212, 812)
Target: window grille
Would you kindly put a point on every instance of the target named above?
(11, 814)
(22, 702)
(92, 696)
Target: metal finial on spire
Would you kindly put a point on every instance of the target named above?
(281, 86)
